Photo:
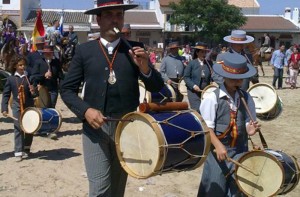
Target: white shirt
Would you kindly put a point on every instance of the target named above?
(110, 46)
(208, 107)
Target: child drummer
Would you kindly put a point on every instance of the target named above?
(229, 126)
(18, 85)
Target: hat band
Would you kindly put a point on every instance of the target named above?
(200, 47)
(238, 39)
(109, 3)
(233, 70)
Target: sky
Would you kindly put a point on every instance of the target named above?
(266, 6)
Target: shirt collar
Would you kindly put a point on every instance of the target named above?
(111, 44)
(21, 76)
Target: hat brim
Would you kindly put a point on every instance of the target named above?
(220, 71)
(248, 40)
(204, 49)
(96, 11)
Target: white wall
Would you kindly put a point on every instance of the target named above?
(14, 5)
(27, 6)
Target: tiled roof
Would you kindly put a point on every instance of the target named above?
(269, 24)
(141, 17)
(238, 3)
(70, 16)
(165, 3)
(244, 3)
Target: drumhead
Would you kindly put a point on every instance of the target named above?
(269, 180)
(264, 96)
(144, 94)
(208, 90)
(30, 121)
(139, 145)
(182, 87)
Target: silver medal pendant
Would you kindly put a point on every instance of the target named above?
(112, 77)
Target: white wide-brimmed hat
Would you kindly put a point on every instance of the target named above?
(238, 37)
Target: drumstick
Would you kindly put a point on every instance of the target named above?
(118, 119)
(263, 141)
(239, 164)
(10, 116)
(242, 166)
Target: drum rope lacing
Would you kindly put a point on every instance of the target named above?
(180, 145)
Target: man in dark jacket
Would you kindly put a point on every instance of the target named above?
(110, 71)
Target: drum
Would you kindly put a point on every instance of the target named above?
(166, 94)
(40, 120)
(268, 104)
(278, 173)
(182, 87)
(209, 89)
(43, 100)
(155, 143)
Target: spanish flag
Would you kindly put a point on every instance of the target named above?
(38, 29)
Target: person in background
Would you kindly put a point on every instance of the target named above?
(265, 45)
(293, 66)
(229, 126)
(35, 55)
(110, 71)
(126, 31)
(278, 62)
(19, 86)
(197, 75)
(172, 68)
(237, 43)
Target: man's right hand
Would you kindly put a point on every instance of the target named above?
(94, 117)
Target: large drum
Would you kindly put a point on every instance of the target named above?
(268, 104)
(155, 143)
(208, 90)
(40, 120)
(182, 87)
(43, 100)
(166, 94)
(278, 173)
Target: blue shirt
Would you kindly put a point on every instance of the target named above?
(278, 59)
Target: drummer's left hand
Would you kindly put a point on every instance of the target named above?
(253, 127)
(141, 59)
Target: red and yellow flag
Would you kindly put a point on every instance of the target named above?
(38, 29)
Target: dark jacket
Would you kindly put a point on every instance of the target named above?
(90, 66)
(192, 74)
(39, 70)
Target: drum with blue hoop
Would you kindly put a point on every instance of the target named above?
(40, 120)
(166, 94)
(155, 143)
(276, 173)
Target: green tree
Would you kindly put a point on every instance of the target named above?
(211, 19)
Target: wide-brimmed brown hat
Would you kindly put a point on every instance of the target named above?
(109, 4)
(173, 45)
(201, 46)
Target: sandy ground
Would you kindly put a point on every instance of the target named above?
(56, 167)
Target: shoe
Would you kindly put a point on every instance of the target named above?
(18, 158)
(280, 88)
(53, 136)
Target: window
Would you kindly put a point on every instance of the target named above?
(6, 1)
